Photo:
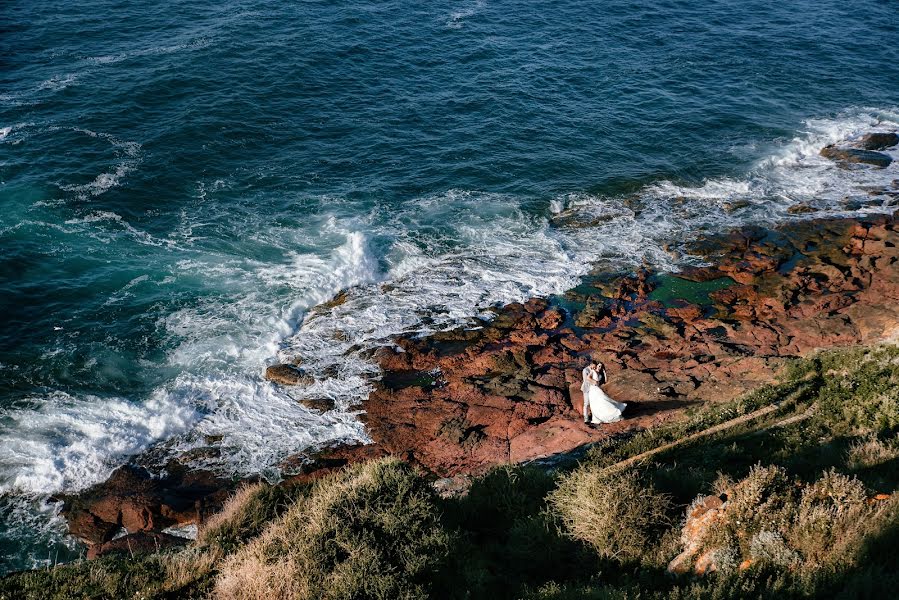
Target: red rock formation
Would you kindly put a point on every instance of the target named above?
(701, 519)
(136, 501)
(462, 401)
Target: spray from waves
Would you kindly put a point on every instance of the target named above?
(256, 423)
(13, 134)
(64, 443)
(448, 258)
(127, 156)
(795, 172)
(60, 442)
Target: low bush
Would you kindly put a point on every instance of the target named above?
(372, 531)
(859, 390)
(507, 538)
(245, 515)
(872, 452)
(184, 574)
(618, 515)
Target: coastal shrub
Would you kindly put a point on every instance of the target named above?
(860, 389)
(504, 496)
(764, 500)
(184, 573)
(618, 514)
(372, 531)
(773, 521)
(770, 548)
(827, 517)
(245, 515)
(872, 452)
(507, 538)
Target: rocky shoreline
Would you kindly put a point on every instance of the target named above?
(462, 401)
(459, 402)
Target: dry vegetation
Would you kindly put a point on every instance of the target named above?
(619, 514)
(372, 531)
(811, 510)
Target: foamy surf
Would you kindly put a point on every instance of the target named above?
(63, 443)
(401, 274)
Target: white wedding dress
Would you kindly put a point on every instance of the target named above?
(602, 408)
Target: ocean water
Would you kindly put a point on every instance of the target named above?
(181, 183)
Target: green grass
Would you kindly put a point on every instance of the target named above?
(800, 511)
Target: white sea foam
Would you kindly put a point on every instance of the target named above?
(115, 224)
(795, 172)
(27, 518)
(35, 94)
(256, 424)
(57, 82)
(490, 251)
(109, 59)
(129, 157)
(8, 134)
(457, 17)
(486, 251)
(60, 442)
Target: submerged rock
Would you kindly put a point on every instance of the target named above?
(320, 404)
(878, 141)
(856, 155)
(801, 209)
(288, 375)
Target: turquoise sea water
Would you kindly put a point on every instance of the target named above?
(181, 182)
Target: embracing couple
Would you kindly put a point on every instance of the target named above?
(598, 408)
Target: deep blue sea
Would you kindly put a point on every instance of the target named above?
(181, 181)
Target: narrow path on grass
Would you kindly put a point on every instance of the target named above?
(628, 462)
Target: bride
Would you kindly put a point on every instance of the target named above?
(602, 408)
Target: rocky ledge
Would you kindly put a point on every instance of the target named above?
(461, 401)
(464, 400)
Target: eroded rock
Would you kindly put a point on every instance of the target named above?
(857, 156)
(135, 500)
(701, 519)
(511, 391)
(288, 375)
(135, 544)
(878, 141)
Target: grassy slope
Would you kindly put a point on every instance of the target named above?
(378, 531)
